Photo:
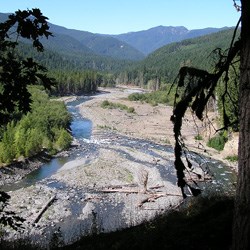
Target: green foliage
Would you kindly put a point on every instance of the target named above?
(44, 127)
(198, 137)
(228, 98)
(64, 140)
(111, 105)
(76, 82)
(105, 104)
(131, 110)
(162, 65)
(7, 147)
(218, 142)
(17, 73)
(156, 97)
(232, 158)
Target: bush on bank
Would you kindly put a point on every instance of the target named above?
(44, 128)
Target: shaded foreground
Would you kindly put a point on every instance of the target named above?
(85, 205)
(205, 223)
(202, 223)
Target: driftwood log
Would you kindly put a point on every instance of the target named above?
(152, 195)
(45, 207)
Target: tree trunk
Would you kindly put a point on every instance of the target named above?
(241, 227)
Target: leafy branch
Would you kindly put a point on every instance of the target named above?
(17, 73)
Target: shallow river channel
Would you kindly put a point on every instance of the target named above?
(81, 209)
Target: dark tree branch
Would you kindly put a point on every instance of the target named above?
(199, 88)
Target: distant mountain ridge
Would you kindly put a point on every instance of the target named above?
(133, 46)
(100, 44)
(152, 39)
(83, 42)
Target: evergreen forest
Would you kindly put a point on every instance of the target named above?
(38, 67)
(45, 127)
(78, 71)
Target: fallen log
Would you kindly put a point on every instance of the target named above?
(136, 191)
(120, 190)
(156, 187)
(154, 197)
(45, 207)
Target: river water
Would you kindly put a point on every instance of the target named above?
(81, 130)
(108, 212)
(223, 176)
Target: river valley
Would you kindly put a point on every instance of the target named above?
(115, 176)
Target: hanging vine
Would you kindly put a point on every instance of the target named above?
(199, 86)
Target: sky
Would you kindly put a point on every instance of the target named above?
(122, 16)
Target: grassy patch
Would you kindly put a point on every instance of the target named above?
(232, 158)
(156, 97)
(111, 105)
(198, 137)
(166, 141)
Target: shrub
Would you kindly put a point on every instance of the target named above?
(153, 98)
(111, 105)
(131, 110)
(105, 104)
(232, 158)
(217, 142)
(198, 137)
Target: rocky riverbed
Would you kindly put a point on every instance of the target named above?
(126, 177)
(129, 182)
(18, 170)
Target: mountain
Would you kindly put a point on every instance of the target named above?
(110, 52)
(100, 44)
(149, 40)
(82, 42)
(164, 63)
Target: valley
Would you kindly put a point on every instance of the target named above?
(105, 162)
(122, 174)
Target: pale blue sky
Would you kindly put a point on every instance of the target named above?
(121, 16)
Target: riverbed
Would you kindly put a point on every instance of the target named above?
(110, 179)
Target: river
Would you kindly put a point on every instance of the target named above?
(81, 130)
(81, 209)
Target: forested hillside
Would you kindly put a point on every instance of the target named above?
(67, 64)
(69, 56)
(163, 65)
(82, 44)
(70, 52)
(45, 127)
(74, 73)
(100, 44)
